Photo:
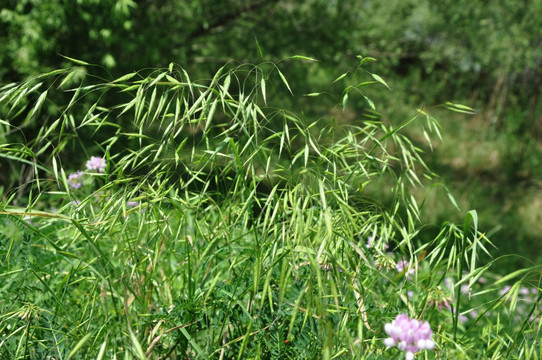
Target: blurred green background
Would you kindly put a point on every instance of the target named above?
(484, 54)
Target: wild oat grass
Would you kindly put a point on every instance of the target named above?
(214, 223)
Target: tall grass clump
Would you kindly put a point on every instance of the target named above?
(157, 217)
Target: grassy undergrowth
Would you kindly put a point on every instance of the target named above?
(220, 225)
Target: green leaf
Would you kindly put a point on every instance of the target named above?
(512, 275)
(340, 77)
(245, 341)
(51, 73)
(216, 77)
(158, 78)
(125, 77)
(102, 350)
(79, 62)
(78, 346)
(38, 105)
(137, 346)
(452, 200)
(260, 54)
(285, 82)
(365, 59)
(344, 100)
(210, 115)
(380, 80)
(472, 215)
(370, 102)
(262, 83)
(226, 84)
(193, 343)
(301, 57)
(67, 79)
(459, 108)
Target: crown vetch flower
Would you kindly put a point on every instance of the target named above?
(439, 297)
(384, 261)
(132, 203)
(409, 335)
(75, 180)
(402, 265)
(96, 163)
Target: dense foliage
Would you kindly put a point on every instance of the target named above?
(176, 184)
(211, 223)
(482, 54)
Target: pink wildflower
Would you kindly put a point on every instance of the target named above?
(402, 265)
(96, 163)
(409, 335)
(75, 180)
(505, 290)
(462, 318)
(524, 291)
(439, 297)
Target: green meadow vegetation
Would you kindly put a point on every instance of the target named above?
(294, 194)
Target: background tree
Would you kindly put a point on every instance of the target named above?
(484, 54)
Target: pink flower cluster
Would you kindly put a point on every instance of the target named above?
(403, 265)
(409, 335)
(75, 180)
(96, 163)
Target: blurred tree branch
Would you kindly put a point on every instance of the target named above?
(228, 18)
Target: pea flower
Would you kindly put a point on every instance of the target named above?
(524, 291)
(329, 267)
(75, 180)
(384, 261)
(402, 265)
(409, 335)
(439, 297)
(96, 163)
(132, 203)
